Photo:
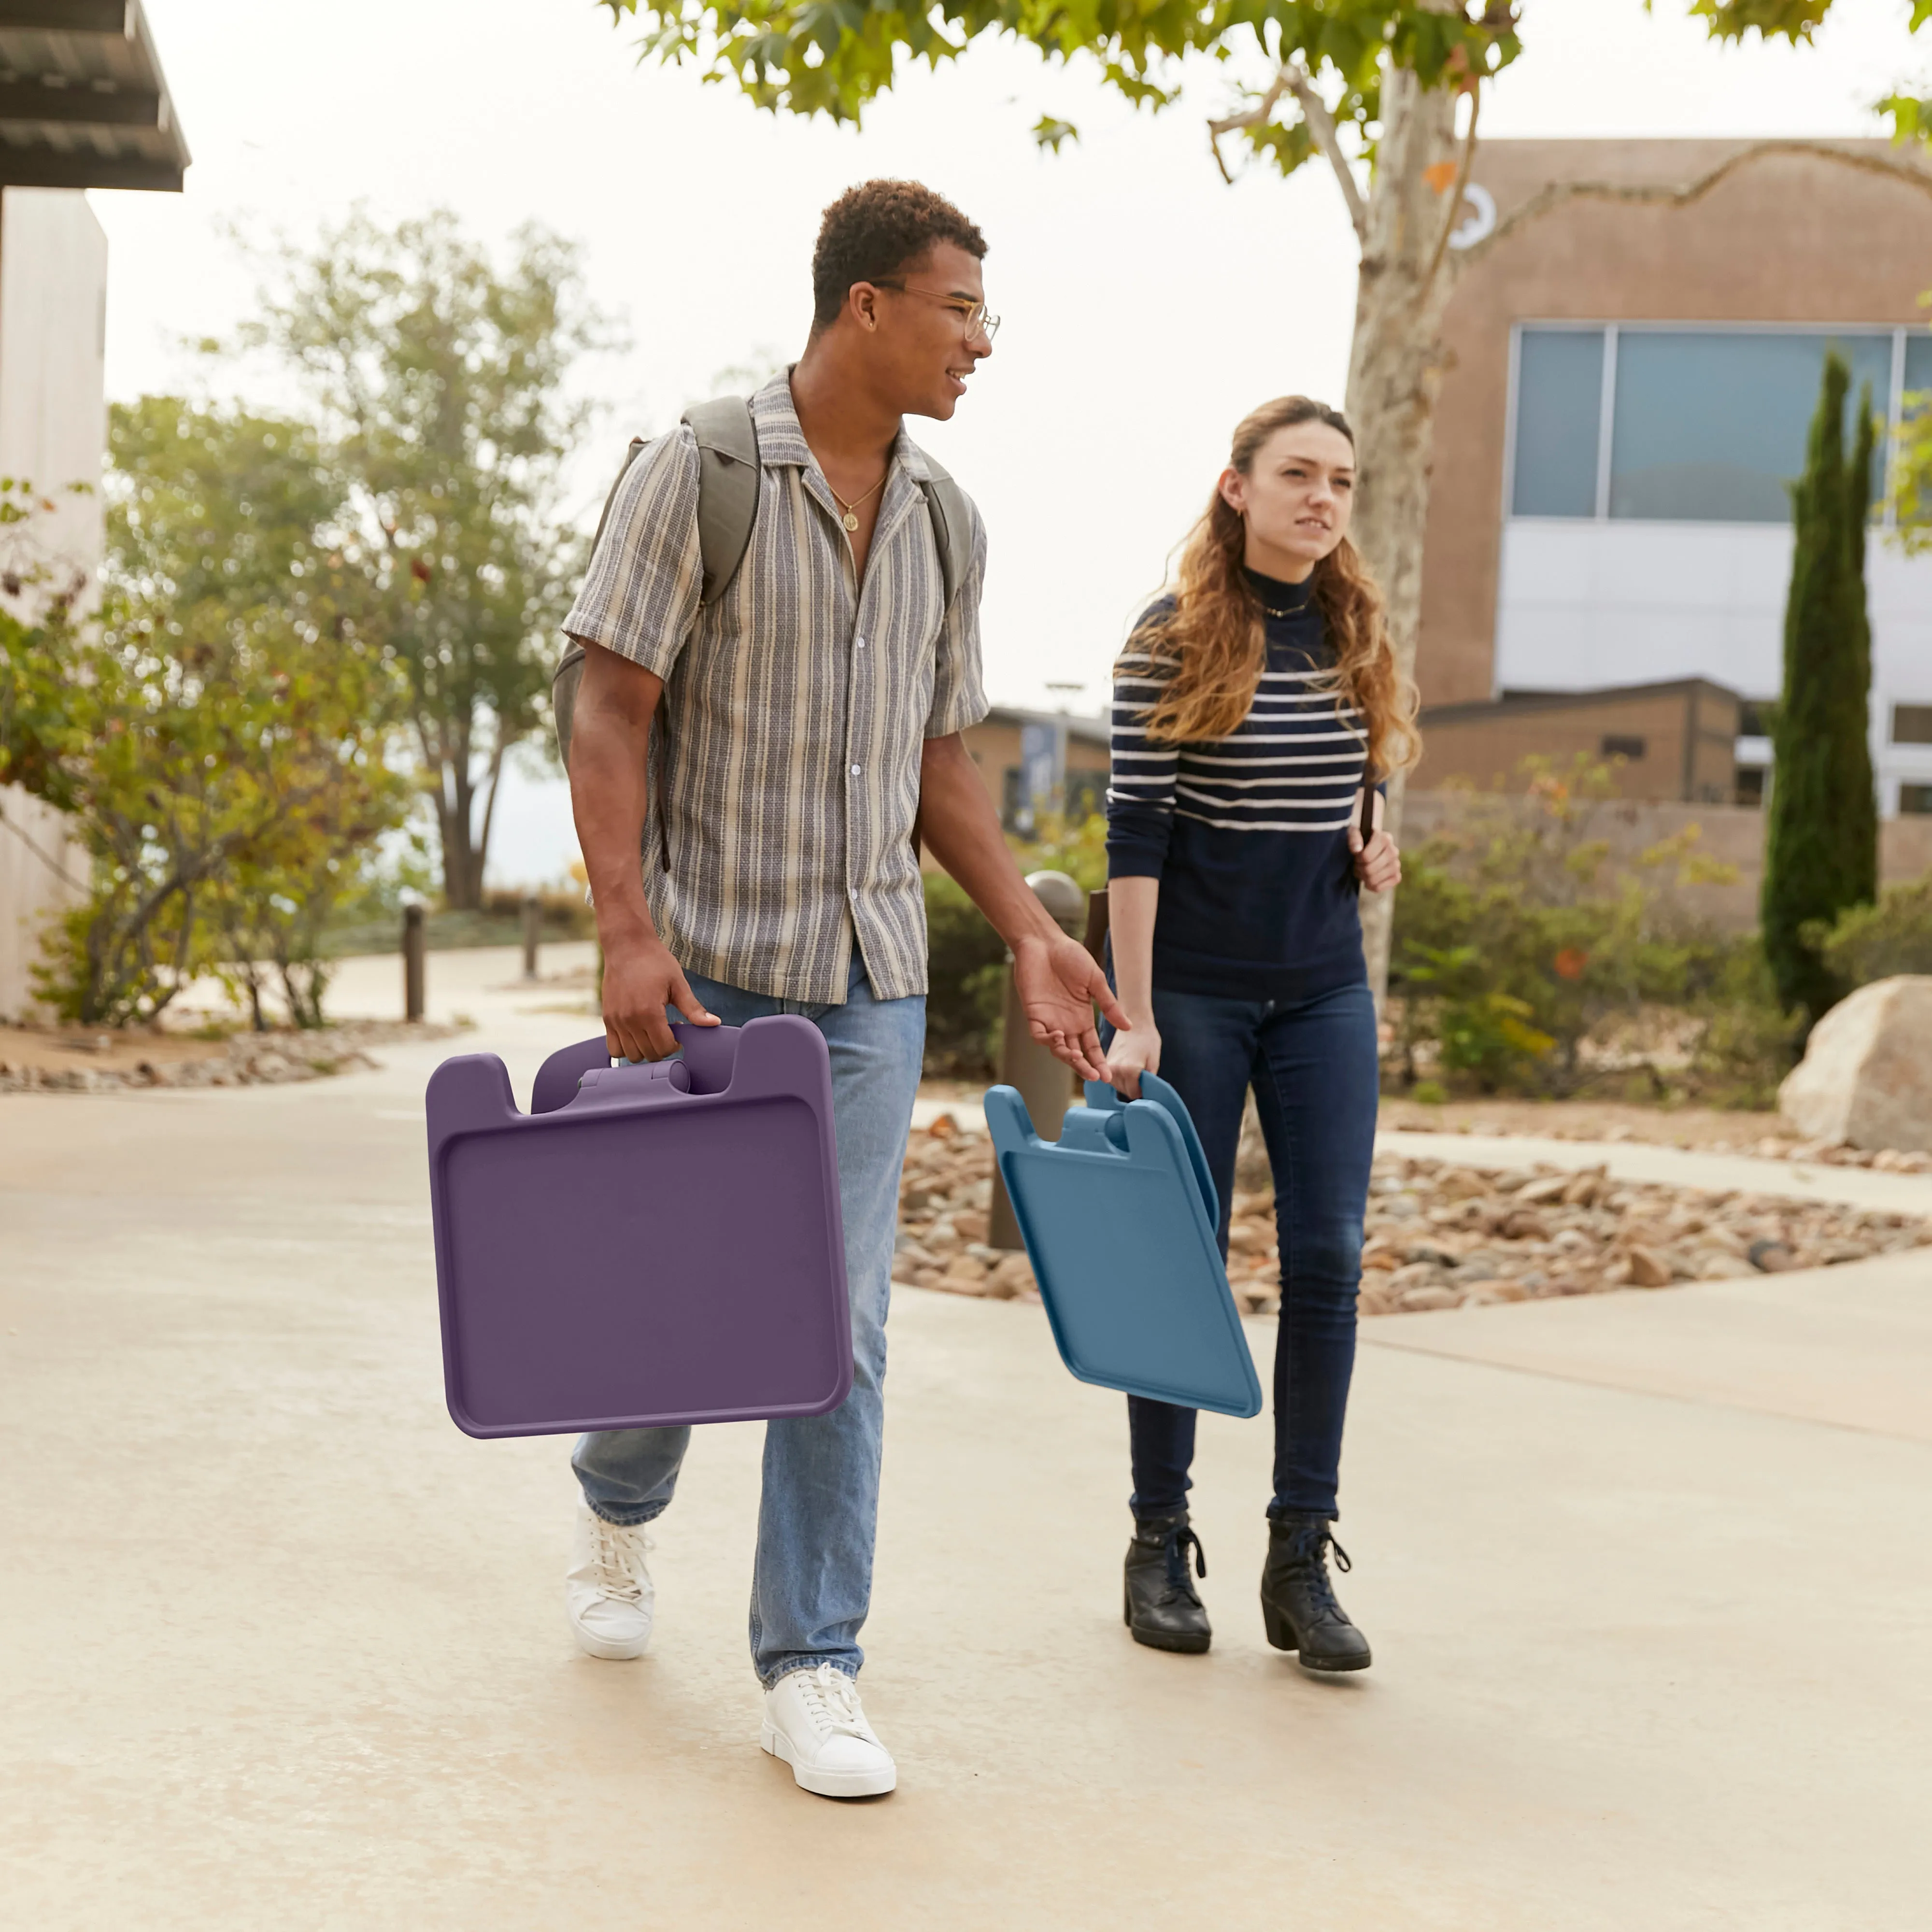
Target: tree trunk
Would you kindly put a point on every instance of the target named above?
(455, 801)
(1395, 369)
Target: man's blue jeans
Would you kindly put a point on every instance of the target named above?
(812, 1581)
(1313, 1064)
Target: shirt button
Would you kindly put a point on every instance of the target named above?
(855, 771)
(862, 643)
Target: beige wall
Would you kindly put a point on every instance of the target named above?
(53, 408)
(1487, 749)
(53, 423)
(42, 872)
(1730, 833)
(1799, 238)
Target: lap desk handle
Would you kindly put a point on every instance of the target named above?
(1119, 1217)
(648, 1246)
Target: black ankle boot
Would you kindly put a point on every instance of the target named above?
(1161, 1609)
(1298, 1603)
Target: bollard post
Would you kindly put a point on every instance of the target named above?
(532, 923)
(412, 962)
(1046, 1085)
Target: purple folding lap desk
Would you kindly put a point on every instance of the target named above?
(648, 1245)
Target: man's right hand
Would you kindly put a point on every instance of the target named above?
(640, 979)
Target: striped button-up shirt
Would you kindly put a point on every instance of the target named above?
(781, 834)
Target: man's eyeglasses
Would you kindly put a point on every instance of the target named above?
(975, 317)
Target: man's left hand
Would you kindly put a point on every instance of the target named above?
(1059, 986)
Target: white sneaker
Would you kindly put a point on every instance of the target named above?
(814, 1721)
(608, 1594)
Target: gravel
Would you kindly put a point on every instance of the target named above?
(1438, 1235)
(245, 1059)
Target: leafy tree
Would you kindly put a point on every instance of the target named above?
(1821, 839)
(216, 728)
(445, 426)
(1372, 87)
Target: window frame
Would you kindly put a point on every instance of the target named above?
(1900, 332)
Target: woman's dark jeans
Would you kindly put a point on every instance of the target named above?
(1313, 1066)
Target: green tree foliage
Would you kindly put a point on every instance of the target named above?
(1821, 836)
(444, 425)
(215, 727)
(803, 58)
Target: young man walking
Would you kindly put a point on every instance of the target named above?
(774, 749)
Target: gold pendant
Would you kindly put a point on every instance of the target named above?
(851, 519)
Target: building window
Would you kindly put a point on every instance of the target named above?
(1559, 404)
(1706, 425)
(1914, 798)
(1912, 724)
(1756, 717)
(1750, 785)
(1711, 427)
(1617, 747)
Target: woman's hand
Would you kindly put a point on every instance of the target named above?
(1378, 863)
(1133, 1051)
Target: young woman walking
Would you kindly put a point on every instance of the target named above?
(1254, 709)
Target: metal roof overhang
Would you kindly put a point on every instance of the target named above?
(83, 102)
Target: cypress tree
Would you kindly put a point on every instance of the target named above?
(1821, 844)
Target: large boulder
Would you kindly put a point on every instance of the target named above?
(1866, 1077)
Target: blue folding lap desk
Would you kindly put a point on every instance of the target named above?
(1119, 1219)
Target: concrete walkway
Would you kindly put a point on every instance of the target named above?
(1649, 1580)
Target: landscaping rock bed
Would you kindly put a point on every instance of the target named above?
(1438, 1235)
(77, 1062)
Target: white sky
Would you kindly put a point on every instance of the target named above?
(1147, 306)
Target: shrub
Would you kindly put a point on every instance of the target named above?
(1517, 952)
(1873, 942)
(968, 974)
(967, 981)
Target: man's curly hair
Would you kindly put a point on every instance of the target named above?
(872, 231)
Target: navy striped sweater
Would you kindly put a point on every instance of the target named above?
(1248, 834)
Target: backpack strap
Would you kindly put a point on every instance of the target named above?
(951, 526)
(727, 488)
(727, 507)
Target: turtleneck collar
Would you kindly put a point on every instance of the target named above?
(1287, 599)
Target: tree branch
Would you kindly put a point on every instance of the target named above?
(1295, 80)
(1557, 192)
(1255, 117)
(1452, 215)
(1321, 125)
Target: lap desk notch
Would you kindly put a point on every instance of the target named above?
(649, 1246)
(1119, 1217)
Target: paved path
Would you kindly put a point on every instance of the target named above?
(1649, 1579)
(1628, 1160)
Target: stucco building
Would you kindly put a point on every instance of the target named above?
(1626, 392)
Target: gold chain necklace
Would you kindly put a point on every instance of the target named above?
(851, 509)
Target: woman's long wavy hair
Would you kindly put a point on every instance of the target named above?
(1214, 630)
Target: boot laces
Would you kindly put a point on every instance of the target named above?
(1308, 1553)
(1180, 1542)
(618, 1553)
(831, 1701)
